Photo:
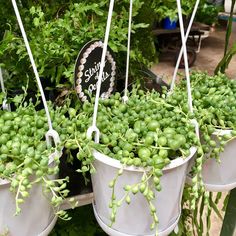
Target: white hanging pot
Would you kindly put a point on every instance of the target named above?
(221, 176)
(134, 219)
(227, 6)
(37, 216)
(218, 176)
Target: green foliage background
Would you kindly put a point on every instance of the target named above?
(83, 223)
(57, 30)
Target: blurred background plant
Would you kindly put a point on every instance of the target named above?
(208, 12)
(168, 8)
(58, 30)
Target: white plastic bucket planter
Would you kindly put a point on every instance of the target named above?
(135, 219)
(221, 176)
(37, 216)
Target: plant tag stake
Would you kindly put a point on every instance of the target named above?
(87, 70)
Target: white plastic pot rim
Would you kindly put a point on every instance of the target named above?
(220, 188)
(50, 161)
(49, 228)
(115, 163)
(114, 232)
(213, 187)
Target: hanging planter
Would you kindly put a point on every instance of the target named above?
(167, 202)
(220, 175)
(36, 211)
(30, 192)
(214, 100)
(142, 148)
(140, 165)
(214, 175)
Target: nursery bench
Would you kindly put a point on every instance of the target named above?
(169, 40)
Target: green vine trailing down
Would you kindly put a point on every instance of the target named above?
(56, 36)
(146, 132)
(214, 104)
(228, 52)
(151, 130)
(24, 155)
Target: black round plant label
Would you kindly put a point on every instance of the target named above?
(87, 70)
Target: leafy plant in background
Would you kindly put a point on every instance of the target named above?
(142, 39)
(168, 8)
(187, 7)
(165, 9)
(8, 19)
(56, 38)
(198, 221)
(207, 13)
(5, 17)
(228, 53)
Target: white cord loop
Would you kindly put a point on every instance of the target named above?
(185, 55)
(5, 105)
(183, 51)
(125, 97)
(185, 41)
(51, 131)
(195, 123)
(52, 135)
(94, 128)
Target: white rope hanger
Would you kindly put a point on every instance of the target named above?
(185, 40)
(93, 129)
(125, 97)
(51, 132)
(5, 105)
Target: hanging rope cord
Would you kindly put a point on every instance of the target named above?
(51, 134)
(93, 129)
(1, 81)
(185, 41)
(5, 105)
(184, 52)
(125, 97)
